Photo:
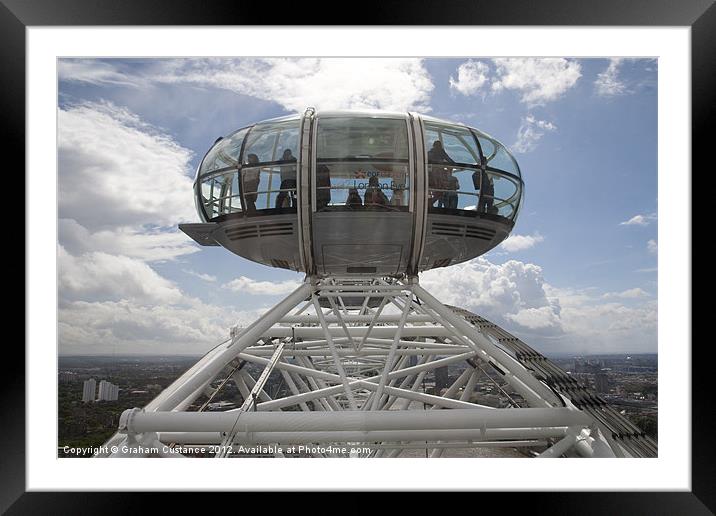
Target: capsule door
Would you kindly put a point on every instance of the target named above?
(362, 220)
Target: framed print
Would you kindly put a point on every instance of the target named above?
(314, 247)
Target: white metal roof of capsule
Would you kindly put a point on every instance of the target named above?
(285, 118)
(362, 113)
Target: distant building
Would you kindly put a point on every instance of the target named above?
(107, 391)
(88, 390)
(441, 377)
(601, 382)
(67, 376)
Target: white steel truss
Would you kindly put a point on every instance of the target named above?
(343, 362)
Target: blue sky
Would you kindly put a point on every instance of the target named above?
(578, 275)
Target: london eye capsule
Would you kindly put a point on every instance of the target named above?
(356, 193)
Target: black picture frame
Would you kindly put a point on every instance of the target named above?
(700, 15)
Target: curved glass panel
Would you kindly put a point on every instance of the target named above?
(224, 154)
(450, 144)
(453, 187)
(498, 194)
(269, 143)
(456, 179)
(269, 187)
(220, 194)
(362, 164)
(362, 138)
(453, 159)
(506, 195)
(497, 155)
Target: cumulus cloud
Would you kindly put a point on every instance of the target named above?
(266, 288)
(110, 302)
(538, 80)
(521, 242)
(472, 77)
(511, 292)
(639, 220)
(98, 275)
(190, 326)
(123, 187)
(530, 133)
(652, 246)
(152, 245)
(632, 293)
(543, 317)
(516, 296)
(116, 170)
(592, 325)
(326, 83)
(607, 83)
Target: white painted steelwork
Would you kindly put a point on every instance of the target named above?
(358, 375)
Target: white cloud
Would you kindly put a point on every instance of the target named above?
(123, 187)
(652, 246)
(543, 317)
(511, 292)
(632, 293)
(530, 133)
(607, 83)
(592, 325)
(109, 303)
(206, 277)
(93, 71)
(328, 83)
(147, 244)
(472, 77)
(521, 242)
(268, 288)
(515, 296)
(190, 326)
(98, 275)
(539, 80)
(116, 170)
(639, 220)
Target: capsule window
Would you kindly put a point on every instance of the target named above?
(269, 167)
(453, 167)
(496, 156)
(451, 144)
(269, 187)
(270, 143)
(220, 195)
(362, 165)
(224, 154)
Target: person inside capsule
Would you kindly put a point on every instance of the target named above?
(438, 179)
(250, 178)
(484, 185)
(397, 198)
(287, 197)
(323, 187)
(449, 199)
(354, 200)
(374, 196)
